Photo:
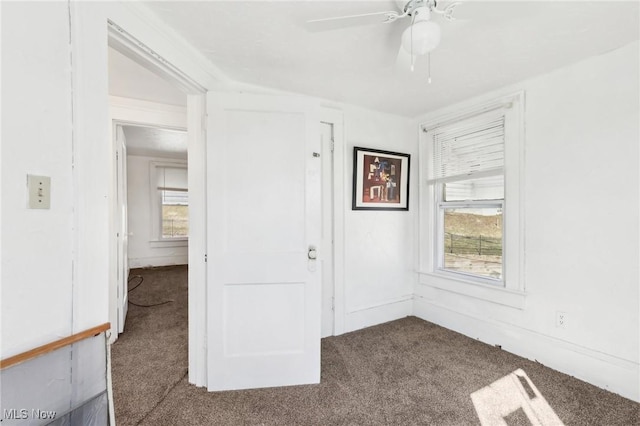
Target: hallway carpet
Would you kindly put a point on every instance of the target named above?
(405, 372)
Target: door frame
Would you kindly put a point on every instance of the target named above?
(127, 44)
(335, 117)
(121, 220)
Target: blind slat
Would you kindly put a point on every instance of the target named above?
(471, 132)
(469, 146)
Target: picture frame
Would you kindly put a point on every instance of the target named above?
(380, 180)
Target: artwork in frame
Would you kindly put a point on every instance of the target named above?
(380, 180)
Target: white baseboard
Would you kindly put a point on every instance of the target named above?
(148, 262)
(390, 310)
(606, 371)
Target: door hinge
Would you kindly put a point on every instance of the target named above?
(205, 258)
(205, 120)
(333, 144)
(333, 304)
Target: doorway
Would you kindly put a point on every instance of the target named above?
(147, 150)
(154, 115)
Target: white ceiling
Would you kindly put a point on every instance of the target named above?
(131, 80)
(491, 45)
(155, 142)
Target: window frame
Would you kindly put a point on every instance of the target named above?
(511, 291)
(158, 239)
(440, 205)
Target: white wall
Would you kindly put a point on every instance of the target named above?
(37, 257)
(379, 245)
(56, 263)
(581, 210)
(55, 278)
(144, 250)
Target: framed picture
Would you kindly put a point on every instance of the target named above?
(380, 180)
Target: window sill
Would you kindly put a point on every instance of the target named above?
(173, 242)
(487, 292)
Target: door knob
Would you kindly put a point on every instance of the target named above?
(313, 253)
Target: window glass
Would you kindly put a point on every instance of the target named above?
(175, 214)
(473, 241)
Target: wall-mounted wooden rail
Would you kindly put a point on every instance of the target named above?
(50, 347)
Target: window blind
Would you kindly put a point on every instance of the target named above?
(470, 147)
(171, 178)
(173, 185)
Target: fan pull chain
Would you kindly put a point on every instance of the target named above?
(413, 57)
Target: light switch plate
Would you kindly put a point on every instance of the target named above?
(39, 191)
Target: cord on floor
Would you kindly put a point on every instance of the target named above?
(131, 278)
(138, 285)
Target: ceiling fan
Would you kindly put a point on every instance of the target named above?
(421, 37)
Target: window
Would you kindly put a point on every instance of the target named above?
(472, 218)
(171, 199)
(469, 185)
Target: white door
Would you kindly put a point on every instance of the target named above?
(263, 208)
(326, 137)
(122, 228)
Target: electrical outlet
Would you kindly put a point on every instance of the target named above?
(561, 319)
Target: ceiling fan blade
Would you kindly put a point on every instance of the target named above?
(326, 24)
(360, 15)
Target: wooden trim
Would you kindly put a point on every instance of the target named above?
(50, 347)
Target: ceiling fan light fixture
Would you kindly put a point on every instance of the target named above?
(426, 37)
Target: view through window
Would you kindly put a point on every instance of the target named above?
(472, 226)
(473, 241)
(175, 214)
(173, 198)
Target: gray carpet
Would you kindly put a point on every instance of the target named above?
(408, 372)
